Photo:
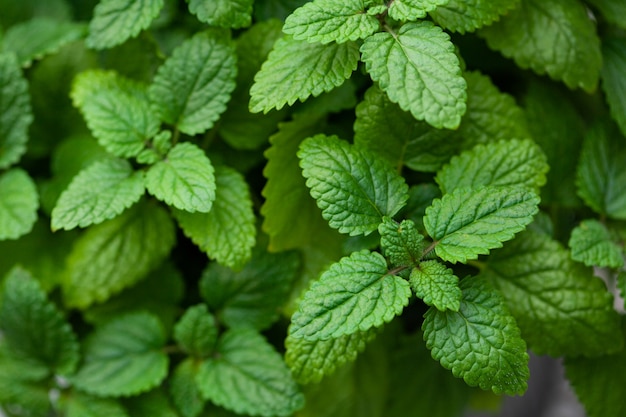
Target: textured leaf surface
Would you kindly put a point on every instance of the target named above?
(116, 254)
(310, 361)
(468, 223)
(353, 188)
(249, 297)
(418, 69)
(192, 87)
(124, 357)
(556, 37)
(18, 205)
(480, 343)
(413, 9)
(296, 70)
(98, 193)
(249, 377)
(227, 232)
(116, 110)
(196, 331)
(15, 110)
(33, 328)
(503, 163)
(613, 83)
(223, 13)
(185, 179)
(184, 390)
(354, 295)
(328, 21)
(591, 243)
(115, 21)
(82, 405)
(401, 242)
(560, 307)
(437, 285)
(468, 15)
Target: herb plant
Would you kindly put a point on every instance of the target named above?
(309, 208)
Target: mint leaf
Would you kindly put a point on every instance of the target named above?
(227, 232)
(413, 9)
(33, 328)
(556, 37)
(18, 205)
(192, 87)
(184, 390)
(602, 170)
(83, 405)
(436, 285)
(196, 331)
(124, 357)
(592, 244)
(116, 110)
(98, 193)
(184, 179)
(480, 343)
(418, 69)
(151, 404)
(115, 21)
(401, 243)
(560, 307)
(353, 188)
(468, 222)
(249, 377)
(613, 85)
(328, 21)
(503, 163)
(116, 254)
(249, 297)
(224, 13)
(611, 11)
(310, 361)
(15, 110)
(354, 295)
(468, 15)
(296, 70)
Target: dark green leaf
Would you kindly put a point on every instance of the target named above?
(613, 84)
(468, 15)
(183, 388)
(83, 405)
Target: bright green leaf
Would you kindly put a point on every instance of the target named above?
(556, 37)
(413, 9)
(184, 390)
(613, 84)
(328, 21)
(115, 21)
(18, 205)
(223, 13)
(296, 70)
(468, 222)
(353, 187)
(401, 242)
(124, 357)
(592, 244)
(437, 285)
(249, 377)
(418, 69)
(480, 343)
(196, 331)
(354, 295)
(192, 87)
(82, 405)
(468, 15)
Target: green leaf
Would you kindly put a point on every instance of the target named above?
(151, 404)
(33, 328)
(82, 405)
(296, 70)
(353, 188)
(224, 13)
(354, 295)
(98, 193)
(556, 37)
(184, 390)
(621, 286)
(249, 377)
(250, 297)
(480, 343)
(192, 87)
(413, 9)
(468, 15)
(196, 331)
(611, 10)
(503, 164)
(275, 9)
(602, 170)
(184, 179)
(436, 285)
(227, 232)
(401, 242)
(592, 244)
(18, 205)
(468, 222)
(560, 307)
(115, 21)
(418, 69)
(15, 110)
(613, 85)
(116, 254)
(310, 361)
(124, 357)
(116, 110)
(328, 21)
